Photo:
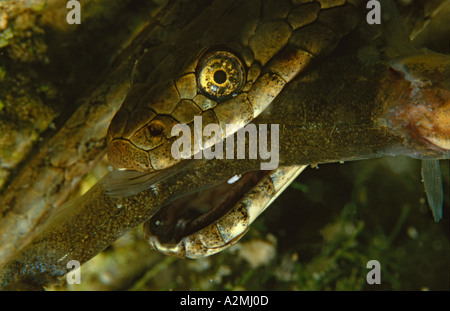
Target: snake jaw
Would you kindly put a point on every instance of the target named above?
(181, 229)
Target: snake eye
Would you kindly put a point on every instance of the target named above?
(220, 75)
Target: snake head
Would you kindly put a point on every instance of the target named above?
(140, 135)
(422, 107)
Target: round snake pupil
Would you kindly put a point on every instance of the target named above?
(220, 76)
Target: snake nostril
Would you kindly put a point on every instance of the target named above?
(155, 129)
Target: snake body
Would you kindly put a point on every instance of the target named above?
(231, 75)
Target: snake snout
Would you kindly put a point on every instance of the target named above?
(145, 149)
(122, 154)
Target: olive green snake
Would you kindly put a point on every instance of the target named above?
(228, 76)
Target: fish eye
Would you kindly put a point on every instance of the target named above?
(220, 75)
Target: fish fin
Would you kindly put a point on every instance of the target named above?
(432, 180)
(126, 183)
